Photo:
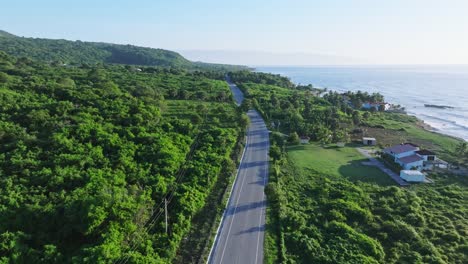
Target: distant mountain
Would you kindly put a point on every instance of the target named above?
(79, 52)
(256, 58)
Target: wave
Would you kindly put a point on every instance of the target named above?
(442, 121)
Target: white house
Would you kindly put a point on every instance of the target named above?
(400, 151)
(369, 141)
(411, 162)
(305, 140)
(376, 105)
(412, 176)
(409, 156)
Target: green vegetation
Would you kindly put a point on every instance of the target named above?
(335, 161)
(325, 219)
(393, 128)
(61, 51)
(88, 155)
(325, 207)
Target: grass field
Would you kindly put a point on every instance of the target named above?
(341, 162)
(392, 129)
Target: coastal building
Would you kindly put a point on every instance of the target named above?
(411, 157)
(369, 141)
(412, 176)
(400, 151)
(305, 140)
(376, 105)
(412, 162)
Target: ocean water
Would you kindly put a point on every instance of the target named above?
(409, 86)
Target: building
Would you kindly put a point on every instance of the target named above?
(369, 141)
(377, 106)
(412, 176)
(305, 140)
(426, 155)
(430, 159)
(412, 162)
(400, 151)
(410, 157)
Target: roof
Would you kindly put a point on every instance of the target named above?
(412, 172)
(368, 138)
(376, 103)
(305, 137)
(398, 149)
(410, 159)
(425, 152)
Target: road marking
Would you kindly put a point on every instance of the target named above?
(263, 199)
(235, 208)
(227, 203)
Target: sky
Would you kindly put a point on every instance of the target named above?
(358, 31)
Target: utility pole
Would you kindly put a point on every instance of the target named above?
(165, 210)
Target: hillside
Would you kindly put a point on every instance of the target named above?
(80, 52)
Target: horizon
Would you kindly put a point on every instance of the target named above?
(362, 32)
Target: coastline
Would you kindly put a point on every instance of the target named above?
(423, 125)
(400, 85)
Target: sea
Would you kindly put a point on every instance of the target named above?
(409, 86)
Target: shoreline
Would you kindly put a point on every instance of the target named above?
(423, 125)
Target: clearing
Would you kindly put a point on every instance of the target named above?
(335, 161)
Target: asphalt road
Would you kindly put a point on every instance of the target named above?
(241, 233)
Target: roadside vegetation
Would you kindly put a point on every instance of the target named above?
(326, 207)
(88, 155)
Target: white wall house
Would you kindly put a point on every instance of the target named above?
(305, 140)
(412, 176)
(409, 156)
(400, 151)
(376, 105)
(411, 162)
(369, 141)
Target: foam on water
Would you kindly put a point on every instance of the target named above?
(411, 87)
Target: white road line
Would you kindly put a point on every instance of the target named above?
(227, 202)
(234, 214)
(263, 199)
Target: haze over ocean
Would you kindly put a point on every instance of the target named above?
(409, 86)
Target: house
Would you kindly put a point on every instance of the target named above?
(409, 156)
(376, 105)
(429, 157)
(411, 162)
(426, 155)
(405, 155)
(369, 141)
(412, 176)
(400, 151)
(305, 140)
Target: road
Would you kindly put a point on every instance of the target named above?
(241, 232)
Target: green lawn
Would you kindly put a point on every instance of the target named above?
(392, 129)
(341, 162)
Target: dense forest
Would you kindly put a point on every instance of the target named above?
(61, 51)
(314, 217)
(89, 154)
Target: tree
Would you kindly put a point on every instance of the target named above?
(356, 117)
(244, 120)
(275, 153)
(294, 138)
